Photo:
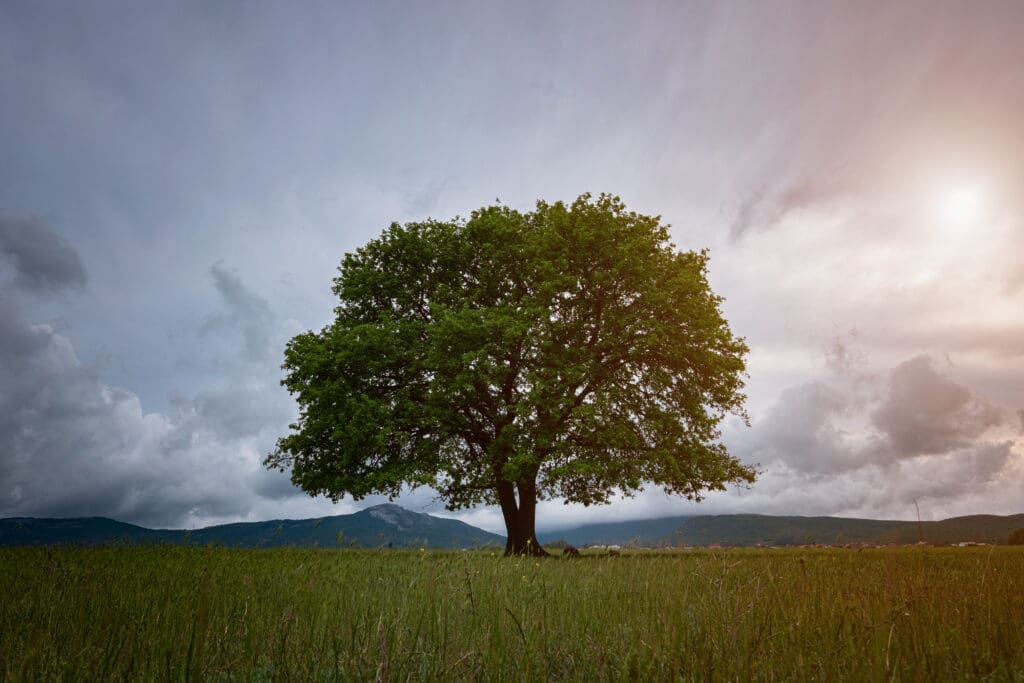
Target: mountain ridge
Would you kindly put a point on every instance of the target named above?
(390, 525)
(386, 525)
(788, 530)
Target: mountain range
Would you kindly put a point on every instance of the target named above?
(750, 530)
(393, 526)
(385, 525)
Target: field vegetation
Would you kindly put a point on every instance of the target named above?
(209, 613)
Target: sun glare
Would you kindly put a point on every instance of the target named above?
(962, 205)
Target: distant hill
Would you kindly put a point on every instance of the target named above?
(646, 532)
(748, 530)
(394, 526)
(379, 526)
(85, 530)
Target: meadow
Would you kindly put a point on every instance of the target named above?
(208, 613)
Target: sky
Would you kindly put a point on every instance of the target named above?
(179, 182)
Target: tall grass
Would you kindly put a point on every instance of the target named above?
(188, 613)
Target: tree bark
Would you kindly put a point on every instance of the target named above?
(510, 511)
(520, 518)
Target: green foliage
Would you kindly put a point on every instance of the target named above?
(571, 350)
(198, 613)
(1016, 537)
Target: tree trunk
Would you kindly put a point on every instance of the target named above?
(510, 511)
(520, 518)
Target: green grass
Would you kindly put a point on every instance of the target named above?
(193, 613)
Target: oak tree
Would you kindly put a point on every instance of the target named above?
(567, 352)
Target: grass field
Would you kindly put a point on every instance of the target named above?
(200, 613)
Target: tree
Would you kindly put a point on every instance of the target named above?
(1016, 538)
(567, 352)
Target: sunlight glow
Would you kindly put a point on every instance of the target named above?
(962, 205)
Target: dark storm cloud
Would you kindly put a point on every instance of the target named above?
(16, 337)
(63, 433)
(72, 444)
(244, 311)
(272, 484)
(239, 411)
(42, 261)
(926, 413)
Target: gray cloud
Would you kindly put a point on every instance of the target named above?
(749, 214)
(42, 261)
(945, 485)
(244, 311)
(926, 413)
(72, 445)
(802, 430)
(240, 411)
(66, 439)
(844, 356)
(821, 452)
(856, 443)
(16, 337)
(984, 477)
(1004, 342)
(848, 418)
(764, 208)
(789, 138)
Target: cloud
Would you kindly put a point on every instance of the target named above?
(244, 311)
(802, 430)
(855, 442)
(926, 413)
(865, 112)
(848, 420)
(763, 208)
(849, 442)
(72, 444)
(964, 481)
(808, 136)
(748, 214)
(42, 261)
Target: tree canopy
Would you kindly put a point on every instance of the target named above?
(568, 352)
